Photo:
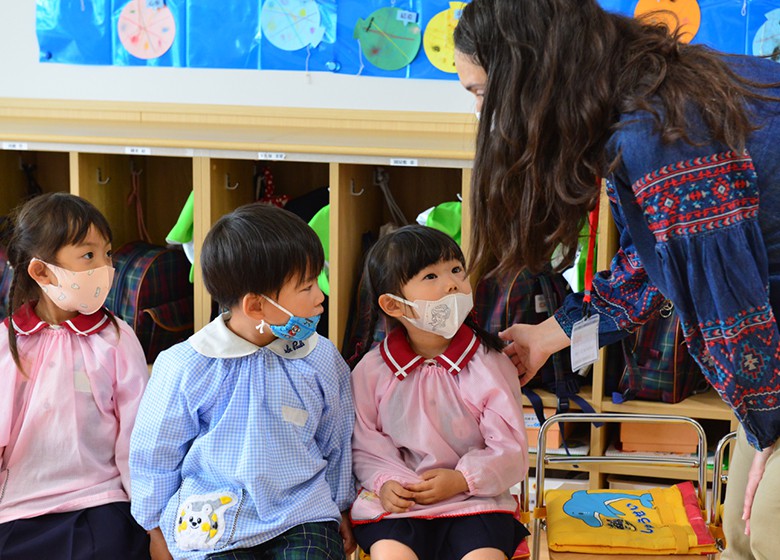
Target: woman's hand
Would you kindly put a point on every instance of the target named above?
(530, 346)
(395, 498)
(158, 548)
(755, 475)
(437, 485)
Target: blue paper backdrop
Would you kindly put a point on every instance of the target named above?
(228, 34)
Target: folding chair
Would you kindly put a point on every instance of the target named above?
(719, 478)
(545, 459)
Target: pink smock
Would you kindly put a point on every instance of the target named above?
(65, 422)
(461, 410)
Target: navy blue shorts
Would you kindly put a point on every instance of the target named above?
(97, 533)
(446, 538)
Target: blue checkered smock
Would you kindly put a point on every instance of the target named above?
(235, 444)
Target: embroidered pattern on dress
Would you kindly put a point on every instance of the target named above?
(699, 195)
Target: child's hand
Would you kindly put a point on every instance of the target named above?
(395, 498)
(438, 485)
(345, 530)
(158, 548)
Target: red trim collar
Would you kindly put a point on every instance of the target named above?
(27, 323)
(401, 359)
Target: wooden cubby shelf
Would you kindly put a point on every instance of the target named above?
(91, 148)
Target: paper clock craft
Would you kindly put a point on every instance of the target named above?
(146, 29)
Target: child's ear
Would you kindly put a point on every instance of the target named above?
(253, 306)
(41, 274)
(391, 306)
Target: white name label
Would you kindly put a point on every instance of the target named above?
(407, 16)
(14, 145)
(271, 156)
(585, 342)
(403, 162)
(138, 151)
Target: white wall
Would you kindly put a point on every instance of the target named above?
(24, 77)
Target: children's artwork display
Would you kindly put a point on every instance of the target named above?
(389, 38)
(146, 30)
(385, 38)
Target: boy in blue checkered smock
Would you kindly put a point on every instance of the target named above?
(241, 448)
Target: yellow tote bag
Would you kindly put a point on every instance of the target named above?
(657, 521)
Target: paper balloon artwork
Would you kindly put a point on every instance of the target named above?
(146, 29)
(767, 39)
(291, 25)
(438, 42)
(389, 38)
(684, 14)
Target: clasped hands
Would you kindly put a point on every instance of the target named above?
(436, 485)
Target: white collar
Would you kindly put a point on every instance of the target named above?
(216, 340)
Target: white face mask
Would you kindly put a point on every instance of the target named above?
(443, 317)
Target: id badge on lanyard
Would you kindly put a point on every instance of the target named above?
(585, 333)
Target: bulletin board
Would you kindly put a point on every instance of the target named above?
(386, 38)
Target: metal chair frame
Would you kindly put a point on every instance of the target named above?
(719, 478)
(543, 458)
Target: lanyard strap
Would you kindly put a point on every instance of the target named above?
(593, 220)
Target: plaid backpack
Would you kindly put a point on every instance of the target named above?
(658, 365)
(152, 293)
(6, 276)
(501, 301)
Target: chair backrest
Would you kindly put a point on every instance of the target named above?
(544, 458)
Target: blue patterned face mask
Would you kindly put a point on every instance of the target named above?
(297, 328)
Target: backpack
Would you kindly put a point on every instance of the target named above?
(658, 366)
(6, 276)
(152, 293)
(503, 300)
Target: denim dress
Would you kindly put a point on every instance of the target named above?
(699, 225)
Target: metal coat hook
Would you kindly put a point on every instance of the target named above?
(352, 188)
(227, 183)
(100, 180)
(133, 169)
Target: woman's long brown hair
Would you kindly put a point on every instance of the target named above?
(559, 74)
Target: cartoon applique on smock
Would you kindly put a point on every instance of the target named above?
(253, 441)
(76, 401)
(459, 410)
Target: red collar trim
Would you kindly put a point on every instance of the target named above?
(402, 360)
(27, 323)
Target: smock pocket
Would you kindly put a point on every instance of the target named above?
(207, 521)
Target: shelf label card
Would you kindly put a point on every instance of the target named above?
(14, 145)
(403, 162)
(138, 151)
(271, 156)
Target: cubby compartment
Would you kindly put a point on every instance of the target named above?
(234, 182)
(359, 207)
(23, 172)
(162, 186)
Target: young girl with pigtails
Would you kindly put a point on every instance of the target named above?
(439, 436)
(71, 380)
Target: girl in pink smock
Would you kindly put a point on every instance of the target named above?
(71, 379)
(439, 436)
